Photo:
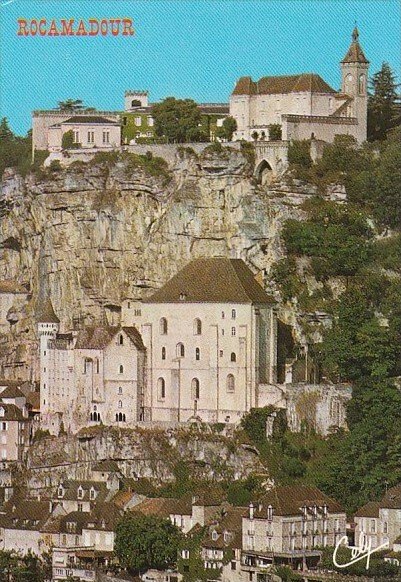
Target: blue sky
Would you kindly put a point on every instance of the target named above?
(185, 48)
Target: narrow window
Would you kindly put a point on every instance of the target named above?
(121, 369)
(233, 314)
(163, 353)
(230, 383)
(197, 354)
(195, 389)
(233, 357)
(163, 326)
(120, 390)
(161, 389)
(180, 350)
(97, 365)
(233, 332)
(120, 404)
(197, 327)
(121, 340)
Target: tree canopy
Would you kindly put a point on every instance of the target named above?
(146, 541)
(178, 120)
(383, 103)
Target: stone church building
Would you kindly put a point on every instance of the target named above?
(305, 105)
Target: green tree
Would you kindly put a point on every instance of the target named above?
(299, 154)
(387, 186)
(383, 113)
(228, 128)
(177, 119)
(71, 105)
(144, 542)
(67, 141)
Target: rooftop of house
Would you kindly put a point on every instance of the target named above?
(91, 119)
(370, 509)
(98, 337)
(11, 391)
(392, 499)
(164, 507)
(212, 280)
(278, 85)
(228, 529)
(25, 514)
(104, 516)
(33, 398)
(289, 500)
(71, 488)
(10, 412)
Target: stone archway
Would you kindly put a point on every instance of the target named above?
(264, 173)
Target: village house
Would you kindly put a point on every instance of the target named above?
(288, 526)
(380, 522)
(211, 343)
(15, 422)
(82, 496)
(304, 105)
(87, 132)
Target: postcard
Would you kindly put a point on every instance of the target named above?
(200, 290)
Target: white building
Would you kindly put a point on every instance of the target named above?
(88, 131)
(305, 105)
(210, 335)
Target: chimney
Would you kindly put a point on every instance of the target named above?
(251, 509)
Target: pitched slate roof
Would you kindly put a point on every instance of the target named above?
(33, 398)
(355, 53)
(230, 522)
(98, 337)
(212, 280)
(11, 392)
(45, 312)
(71, 490)
(288, 500)
(163, 507)
(370, 509)
(11, 412)
(25, 514)
(392, 499)
(305, 82)
(95, 119)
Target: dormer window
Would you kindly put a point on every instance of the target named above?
(80, 493)
(183, 296)
(60, 492)
(1, 411)
(92, 493)
(215, 535)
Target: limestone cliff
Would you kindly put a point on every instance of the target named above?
(93, 233)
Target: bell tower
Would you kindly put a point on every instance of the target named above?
(354, 76)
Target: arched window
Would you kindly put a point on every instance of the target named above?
(120, 404)
(163, 326)
(120, 390)
(161, 389)
(123, 417)
(233, 357)
(120, 417)
(163, 353)
(91, 416)
(121, 339)
(121, 369)
(116, 416)
(180, 350)
(197, 326)
(230, 383)
(195, 389)
(233, 314)
(197, 354)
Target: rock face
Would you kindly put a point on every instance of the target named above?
(154, 454)
(91, 234)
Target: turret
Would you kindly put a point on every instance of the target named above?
(135, 99)
(354, 72)
(48, 327)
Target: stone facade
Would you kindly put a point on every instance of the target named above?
(380, 522)
(305, 105)
(89, 132)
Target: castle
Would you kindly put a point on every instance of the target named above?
(201, 348)
(305, 105)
